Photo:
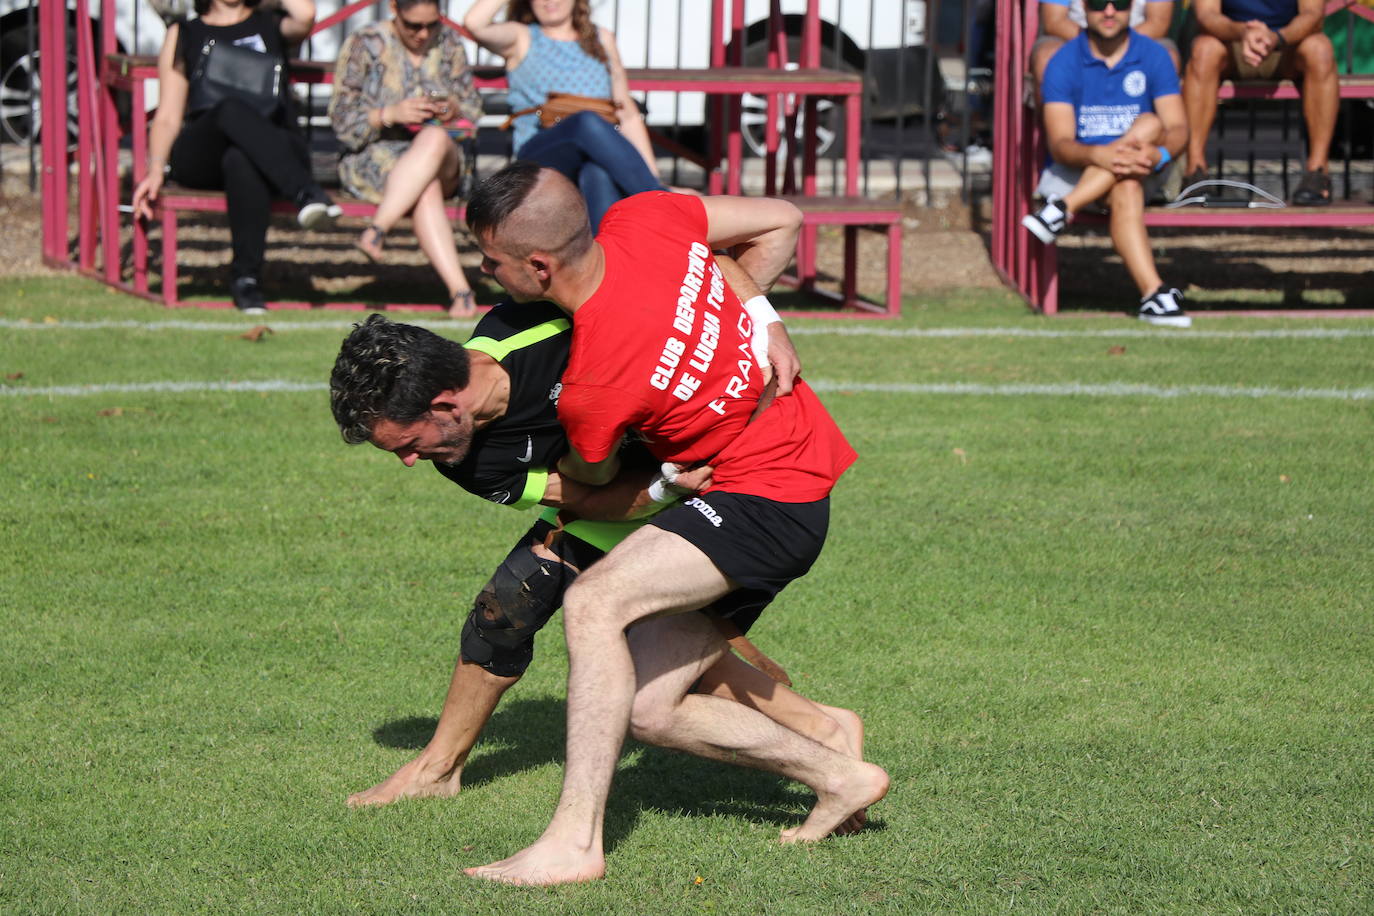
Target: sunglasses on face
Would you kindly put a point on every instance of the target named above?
(1098, 6)
(416, 28)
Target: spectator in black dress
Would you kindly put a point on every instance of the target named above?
(242, 140)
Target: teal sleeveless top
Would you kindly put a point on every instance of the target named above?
(552, 66)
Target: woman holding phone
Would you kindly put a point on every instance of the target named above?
(402, 91)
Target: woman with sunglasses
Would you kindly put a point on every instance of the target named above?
(400, 87)
(552, 46)
(248, 146)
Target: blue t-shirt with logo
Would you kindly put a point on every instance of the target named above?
(1107, 100)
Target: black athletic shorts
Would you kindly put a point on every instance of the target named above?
(760, 543)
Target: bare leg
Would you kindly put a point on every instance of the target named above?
(435, 235)
(1321, 97)
(1132, 242)
(625, 587)
(429, 153)
(669, 653)
(1209, 60)
(1096, 181)
(472, 695)
(732, 678)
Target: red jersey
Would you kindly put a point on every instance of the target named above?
(663, 347)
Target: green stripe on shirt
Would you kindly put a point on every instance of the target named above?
(500, 349)
(536, 482)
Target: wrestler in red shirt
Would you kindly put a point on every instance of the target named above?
(664, 347)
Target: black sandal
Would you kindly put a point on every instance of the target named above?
(378, 240)
(464, 302)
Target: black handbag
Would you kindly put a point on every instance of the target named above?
(231, 71)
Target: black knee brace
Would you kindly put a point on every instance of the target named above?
(515, 603)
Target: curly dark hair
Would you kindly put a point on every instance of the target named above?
(391, 371)
(587, 37)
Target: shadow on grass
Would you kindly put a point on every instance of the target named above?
(527, 733)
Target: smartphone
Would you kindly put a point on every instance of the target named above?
(440, 98)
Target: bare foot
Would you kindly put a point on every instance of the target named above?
(545, 862)
(847, 739)
(462, 305)
(370, 242)
(416, 779)
(862, 786)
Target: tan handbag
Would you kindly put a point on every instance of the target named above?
(560, 105)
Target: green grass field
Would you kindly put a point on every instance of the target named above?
(1107, 615)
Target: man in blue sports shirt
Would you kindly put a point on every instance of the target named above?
(1114, 119)
(1063, 20)
(1265, 39)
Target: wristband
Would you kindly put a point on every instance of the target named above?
(761, 311)
(1280, 42)
(1164, 158)
(762, 314)
(381, 116)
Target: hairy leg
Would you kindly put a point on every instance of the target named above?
(473, 693)
(732, 678)
(629, 585)
(670, 653)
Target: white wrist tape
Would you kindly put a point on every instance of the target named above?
(659, 491)
(762, 314)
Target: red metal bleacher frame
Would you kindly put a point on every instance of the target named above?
(99, 179)
(1032, 268)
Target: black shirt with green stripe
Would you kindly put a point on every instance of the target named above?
(510, 458)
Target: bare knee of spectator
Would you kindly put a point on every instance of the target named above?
(432, 142)
(1209, 57)
(1127, 195)
(1316, 57)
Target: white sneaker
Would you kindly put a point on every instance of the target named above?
(1164, 307)
(1047, 222)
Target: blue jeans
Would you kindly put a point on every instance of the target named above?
(596, 157)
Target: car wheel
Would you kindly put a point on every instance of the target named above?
(829, 115)
(21, 88)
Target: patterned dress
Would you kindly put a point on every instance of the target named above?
(374, 69)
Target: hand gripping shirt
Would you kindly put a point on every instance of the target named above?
(663, 347)
(1107, 100)
(510, 458)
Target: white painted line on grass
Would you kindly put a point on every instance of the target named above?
(212, 326)
(826, 330)
(66, 391)
(1070, 333)
(1106, 390)
(1060, 389)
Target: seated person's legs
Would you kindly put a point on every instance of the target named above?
(1209, 61)
(1314, 59)
(599, 190)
